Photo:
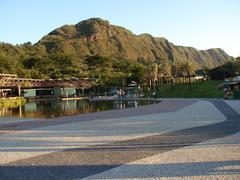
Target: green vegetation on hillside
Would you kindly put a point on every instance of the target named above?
(65, 51)
(111, 55)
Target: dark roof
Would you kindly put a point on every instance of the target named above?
(227, 84)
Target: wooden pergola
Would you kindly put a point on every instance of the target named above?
(12, 81)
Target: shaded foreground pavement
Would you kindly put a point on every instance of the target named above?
(173, 139)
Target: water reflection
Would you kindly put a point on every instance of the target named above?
(56, 108)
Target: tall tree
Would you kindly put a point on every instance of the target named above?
(238, 59)
(154, 75)
(5, 67)
(188, 67)
(232, 68)
(99, 68)
(136, 73)
(171, 70)
(64, 65)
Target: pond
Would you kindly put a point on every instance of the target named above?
(57, 108)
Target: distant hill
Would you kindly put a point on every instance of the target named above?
(62, 52)
(98, 37)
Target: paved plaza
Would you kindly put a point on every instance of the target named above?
(174, 139)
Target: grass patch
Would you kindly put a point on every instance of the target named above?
(206, 89)
(12, 102)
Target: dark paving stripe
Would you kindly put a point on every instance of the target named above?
(84, 162)
(165, 106)
(173, 170)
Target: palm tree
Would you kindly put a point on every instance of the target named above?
(161, 71)
(154, 75)
(171, 70)
(188, 67)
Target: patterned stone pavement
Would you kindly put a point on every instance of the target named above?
(175, 139)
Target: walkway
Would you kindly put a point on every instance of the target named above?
(173, 139)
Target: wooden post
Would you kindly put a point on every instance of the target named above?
(83, 91)
(19, 90)
(67, 93)
(20, 111)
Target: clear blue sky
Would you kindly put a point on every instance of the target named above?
(199, 23)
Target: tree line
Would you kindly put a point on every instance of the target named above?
(230, 69)
(109, 71)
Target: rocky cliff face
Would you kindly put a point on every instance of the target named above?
(98, 37)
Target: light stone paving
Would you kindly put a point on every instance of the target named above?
(38, 141)
(9, 120)
(214, 159)
(235, 104)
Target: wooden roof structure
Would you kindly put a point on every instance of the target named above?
(11, 81)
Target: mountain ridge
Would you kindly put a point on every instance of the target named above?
(97, 36)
